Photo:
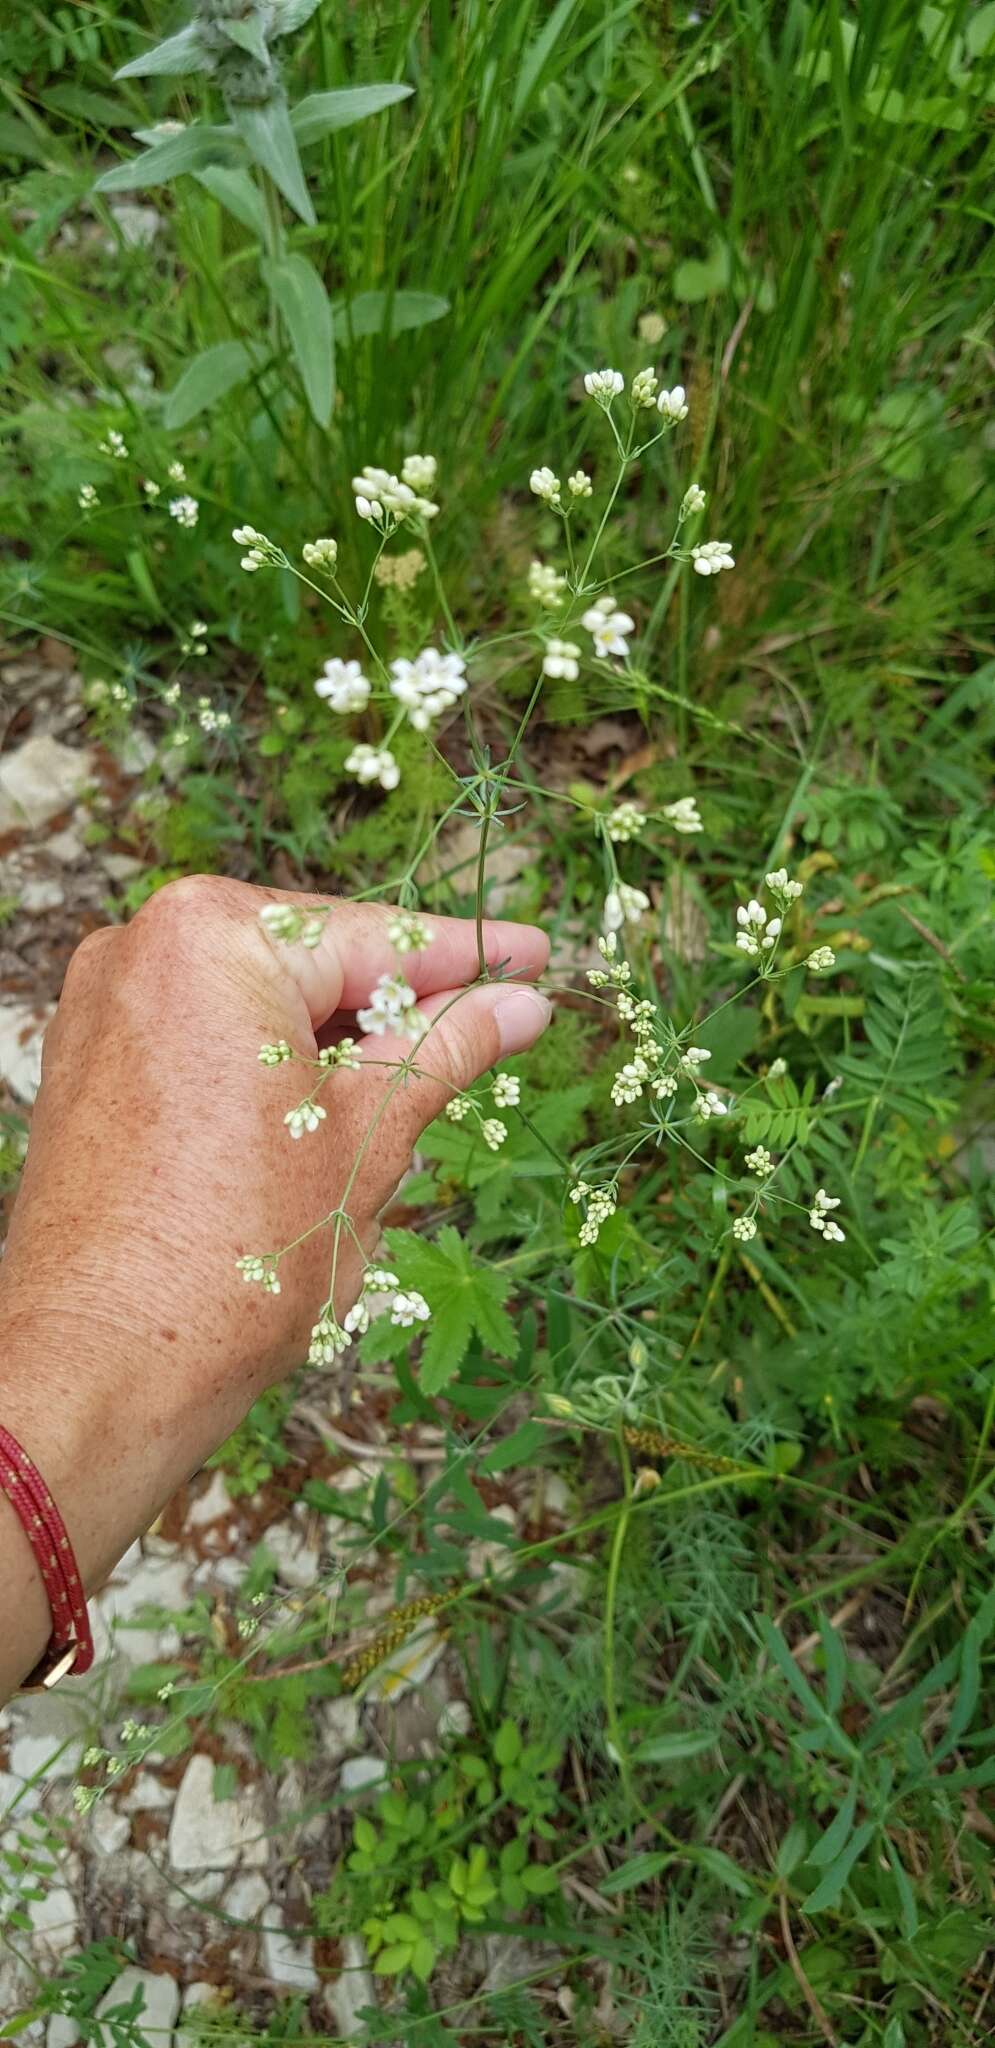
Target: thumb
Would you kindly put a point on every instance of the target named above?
(468, 1030)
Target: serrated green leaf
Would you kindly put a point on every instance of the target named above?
(209, 377)
(307, 315)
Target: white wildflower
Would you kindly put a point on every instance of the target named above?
(579, 484)
(328, 1341)
(604, 385)
(176, 473)
(760, 1162)
(408, 933)
(184, 510)
(695, 1056)
(306, 1117)
(276, 1054)
(409, 1308)
(507, 1091)
(290, 923)
(671, 406)
(152, 489)
(428, 686)
(341, 1055)
(419, 472)
(821, 960)
(601, 1204)
(561, 660)
(711, 556)
(87, 499)
(694, 500)
(744, 1227)
(644, 388)
(757, 934)
(777, 1069)
(385, 500)
(711, 1105)
(259, 1271)
(663, 1085)
(626, 822)
(608, 628)
(343, 686)
(624, 905)
(458, 1107)
(392, 1010)
(651, 328)
(320, 554)
(546, 585)
(115, 445)
(373, 764)
(546, 486)
(493, 1132)
(779, 884)
(683, 815)
(821, 1218)
(629, 1081)
(379, 1280)
(356, 1319)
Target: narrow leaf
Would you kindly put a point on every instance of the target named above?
(270, 141)
(182, 52)
(168, 159)
(828, 1892)
(322, 112)
(213, 373)
(303, 303)
(537, 55)
(668, 1749)
(831, 1844)
(638, 1870)
(235, 190)
(517, 1449)
(248, 36)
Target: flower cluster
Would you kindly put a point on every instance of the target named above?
(260, 551)
(373, 764)
(321, 554)
(711, 557)
(626, 822)
(185, 510)
(428, 686)
(561, 660)
(506, 1090)
(821, 1218)
(546, 585)
(546, 486)
(599, 1205)
(293, 925)
(408, 933)
(757, 934)
(259, 1270)
(624, 905)
(343, 686)
(399, 572)
(392, 1011)
(387, 500)
(381, 1294)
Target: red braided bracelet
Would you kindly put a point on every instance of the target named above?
(70, 1646)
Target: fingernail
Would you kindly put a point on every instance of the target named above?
(520, 1015)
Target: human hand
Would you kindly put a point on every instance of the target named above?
(159, 1155)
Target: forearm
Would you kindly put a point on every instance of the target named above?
(110, 1441)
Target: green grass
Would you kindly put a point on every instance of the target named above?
(791, 1654)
